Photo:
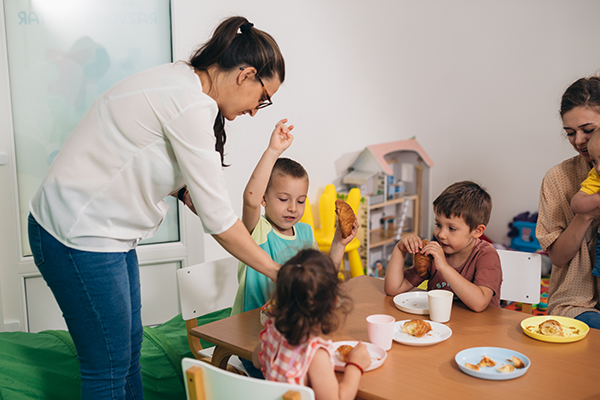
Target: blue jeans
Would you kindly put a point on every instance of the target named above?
(252, 370)
(596, 270)
(99, 296)
(591, 318)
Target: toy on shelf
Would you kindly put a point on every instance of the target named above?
(378, 269)
(522, 233)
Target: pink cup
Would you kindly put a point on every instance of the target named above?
(380, 328)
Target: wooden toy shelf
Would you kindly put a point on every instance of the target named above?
(379, 237)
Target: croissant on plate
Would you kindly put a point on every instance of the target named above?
(346, 217)
(422, 262)
(343, 351)
(416, 327)
(486, 362)
(551, 327)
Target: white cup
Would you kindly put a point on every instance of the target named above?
(380, 328)
(440, 305)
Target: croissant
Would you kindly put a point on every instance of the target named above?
(551, 327)
(343, 351)
(486, 362)
(518, 363)
(505, 368)
(416, 327)
(422, 262)
(472, 366)
(346, 217)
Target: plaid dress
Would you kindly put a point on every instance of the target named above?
(285, 363)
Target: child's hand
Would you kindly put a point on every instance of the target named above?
(281, 138)
(411, 243)
(439, 257)
(338, 233)
(360, 355)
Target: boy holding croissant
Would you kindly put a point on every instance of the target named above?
(459, 261)
(280, 185)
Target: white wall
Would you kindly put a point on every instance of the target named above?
(477, 82)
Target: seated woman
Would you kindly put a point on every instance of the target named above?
(570, 238)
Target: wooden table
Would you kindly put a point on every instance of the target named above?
(558, 371)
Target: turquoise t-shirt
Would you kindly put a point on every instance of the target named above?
(255, 288)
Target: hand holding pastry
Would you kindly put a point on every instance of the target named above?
(360, 356)
(422, 261)
(346, 218)
(411, 244)
(281, 138)
(434, 250)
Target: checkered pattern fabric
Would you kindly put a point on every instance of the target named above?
(285, 363)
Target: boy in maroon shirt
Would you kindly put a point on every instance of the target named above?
(462, 262)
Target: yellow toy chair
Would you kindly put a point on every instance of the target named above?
(324, 235)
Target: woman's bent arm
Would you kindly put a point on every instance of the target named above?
(238, 242)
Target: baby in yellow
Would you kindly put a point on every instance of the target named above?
(588, 197)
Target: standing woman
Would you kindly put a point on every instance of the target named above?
(570, 238)
(157, 132)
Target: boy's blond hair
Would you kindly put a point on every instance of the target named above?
(466, 200)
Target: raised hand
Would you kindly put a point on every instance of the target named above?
(281, 138)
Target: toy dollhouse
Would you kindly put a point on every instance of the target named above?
(395, 180)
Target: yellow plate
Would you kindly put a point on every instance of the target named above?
(579, 329)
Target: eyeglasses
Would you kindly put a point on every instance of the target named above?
(267, 102)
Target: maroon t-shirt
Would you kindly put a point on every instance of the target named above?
(482, 267)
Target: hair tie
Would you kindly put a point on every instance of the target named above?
(246, 27)
(298, 265)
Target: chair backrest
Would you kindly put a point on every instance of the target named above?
(207, 287)
(354, 199)
(521, 276)
(205, 381)
(308, 218)
(327, 211)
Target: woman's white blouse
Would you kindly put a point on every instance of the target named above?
(143, 139)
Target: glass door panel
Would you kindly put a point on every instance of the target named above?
(62, 54)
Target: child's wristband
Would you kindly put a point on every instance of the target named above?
(356, 365)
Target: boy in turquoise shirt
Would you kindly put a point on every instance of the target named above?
(280, 185)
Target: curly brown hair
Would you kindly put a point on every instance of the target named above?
(307, 297)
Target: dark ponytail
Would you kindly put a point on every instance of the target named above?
(229, 48)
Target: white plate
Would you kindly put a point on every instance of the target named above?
(412, 302)
(499, 355)
(377, 354)
(439, 333)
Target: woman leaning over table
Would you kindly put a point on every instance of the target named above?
(157, 132)
(570, 238)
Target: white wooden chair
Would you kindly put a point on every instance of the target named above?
(204, 288)
(521, 277)
(207, 382)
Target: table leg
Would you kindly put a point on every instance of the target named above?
(220, 357)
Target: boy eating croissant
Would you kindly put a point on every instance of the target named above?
(459, 261)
